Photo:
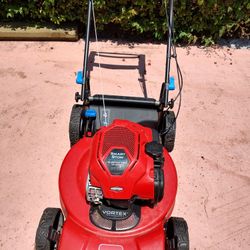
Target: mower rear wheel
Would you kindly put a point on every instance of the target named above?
(49, 229)
(168, 130)
(177, 237)
(75, 124)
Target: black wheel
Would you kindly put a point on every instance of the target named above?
(177, 237)
(49, 229)
(168, 130)
(75, 124)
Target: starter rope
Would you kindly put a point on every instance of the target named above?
(104, 115)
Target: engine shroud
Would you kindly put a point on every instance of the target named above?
(88, 158)
(119, 164)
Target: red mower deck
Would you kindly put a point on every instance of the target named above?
(78, 231)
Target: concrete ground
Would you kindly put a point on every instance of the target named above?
(212, 153)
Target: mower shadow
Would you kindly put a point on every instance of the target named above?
(141, 67)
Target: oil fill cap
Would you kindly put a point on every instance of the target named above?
(154, 149)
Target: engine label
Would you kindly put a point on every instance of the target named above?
(117, 161)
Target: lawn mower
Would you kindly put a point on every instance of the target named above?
(118, 182)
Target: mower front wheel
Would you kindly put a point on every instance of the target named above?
(177, 237)
(168, 130)
(49, 229)
(75, 124)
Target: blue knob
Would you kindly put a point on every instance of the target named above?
(171, 85)
(79, 77)
(90, 113)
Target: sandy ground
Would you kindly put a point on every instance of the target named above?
(212, 152)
